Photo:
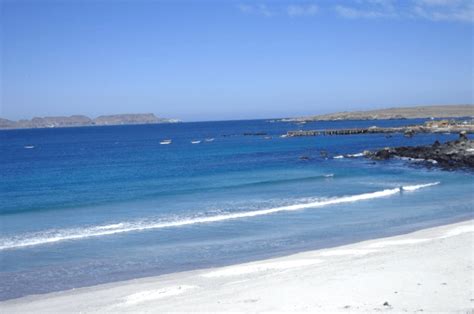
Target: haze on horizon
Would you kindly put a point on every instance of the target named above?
(211, 60)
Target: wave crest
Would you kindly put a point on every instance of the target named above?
(52, 236)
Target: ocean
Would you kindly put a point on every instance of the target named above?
(85, 206)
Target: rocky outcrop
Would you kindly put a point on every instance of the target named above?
(255, 133)
(51, 122)
(450, 155)
(6, 124)
(80, 120)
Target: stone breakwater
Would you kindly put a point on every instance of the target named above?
(450, 155)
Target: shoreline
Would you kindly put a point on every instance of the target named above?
(408, 112)
(429, 269)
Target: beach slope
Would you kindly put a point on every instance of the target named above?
(428, 270)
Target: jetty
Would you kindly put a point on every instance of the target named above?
(429, 127)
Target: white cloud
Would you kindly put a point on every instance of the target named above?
(434, 10)
(302, 10)
(438, 2)
(367, 9)
(257, 9)
(292, 10)
(354, 13)
(245, 8)
(383, 3)
(457, 14)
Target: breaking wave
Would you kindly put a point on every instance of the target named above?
(53, 236)
(418, 186)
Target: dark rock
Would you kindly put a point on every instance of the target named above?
(254, 133)
(409, 133)
(382, 154)
(386, 303)
(450, 155)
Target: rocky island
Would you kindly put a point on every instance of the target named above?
(450, 155)
(445, 111)
(81, 121)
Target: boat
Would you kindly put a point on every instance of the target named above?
(209, 139)
(165, 142)
(195, 142)
(28, 146)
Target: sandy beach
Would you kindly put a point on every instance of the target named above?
(425, 271)
(297, 156)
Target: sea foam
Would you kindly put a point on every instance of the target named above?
(418, 186)
(52, 236)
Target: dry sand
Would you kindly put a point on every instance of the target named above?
(429, 270)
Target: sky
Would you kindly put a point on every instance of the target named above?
(224, 60)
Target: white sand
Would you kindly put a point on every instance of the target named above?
(428, 270)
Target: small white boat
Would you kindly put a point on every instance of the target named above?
(209, 139)
(165, 142)
(28, 146)
(195, 142)
(284, 135)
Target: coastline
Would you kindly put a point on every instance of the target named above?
(83, 121)
(430, 270)
(411, 112)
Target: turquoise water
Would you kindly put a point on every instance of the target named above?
(82, 206)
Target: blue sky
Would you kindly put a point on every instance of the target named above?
(211, 60)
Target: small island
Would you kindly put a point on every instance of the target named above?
(83, 121)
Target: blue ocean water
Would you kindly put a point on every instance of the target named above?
(83, 206)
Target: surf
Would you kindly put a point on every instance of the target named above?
(54, 236)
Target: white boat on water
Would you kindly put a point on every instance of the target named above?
(209, 139)
(165, 142)
(28, 146)
(195, 142)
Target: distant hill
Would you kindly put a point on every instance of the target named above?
(79, 120)
(446, 111)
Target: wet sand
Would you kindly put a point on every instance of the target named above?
(428, 270)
